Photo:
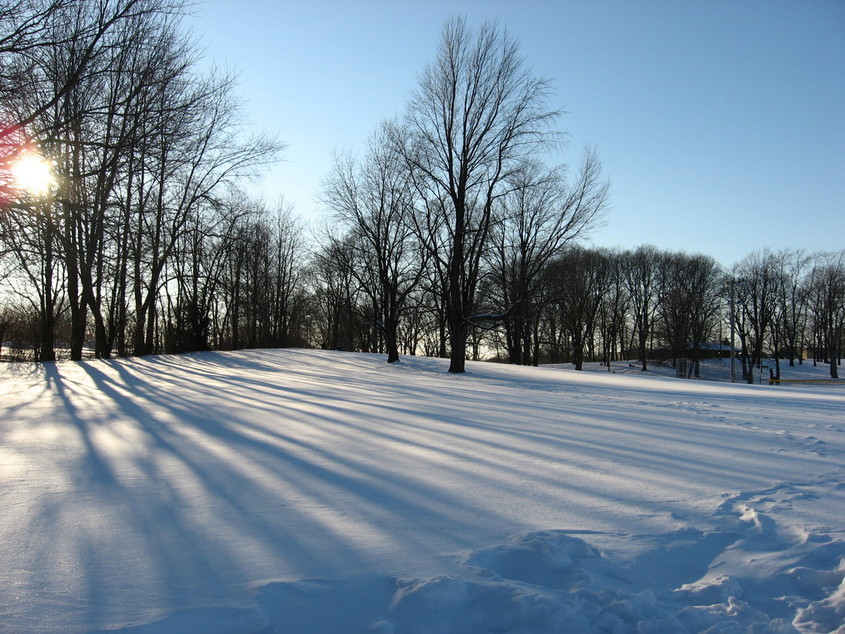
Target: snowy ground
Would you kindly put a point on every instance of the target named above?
(318, 492)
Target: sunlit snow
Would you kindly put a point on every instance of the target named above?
(326, 492)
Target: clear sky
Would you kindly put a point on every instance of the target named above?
(721, 124)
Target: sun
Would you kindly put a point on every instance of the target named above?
(33, 174)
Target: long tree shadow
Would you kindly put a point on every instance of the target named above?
(270, 493)
(197, 476)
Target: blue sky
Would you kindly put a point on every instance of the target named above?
(721, 124)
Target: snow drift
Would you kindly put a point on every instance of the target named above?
(309, 491)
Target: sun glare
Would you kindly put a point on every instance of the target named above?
(33, 174)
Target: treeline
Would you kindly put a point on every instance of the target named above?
(453, 235)
(603, 305)
(147, 149)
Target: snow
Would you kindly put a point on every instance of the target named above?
(318, 492)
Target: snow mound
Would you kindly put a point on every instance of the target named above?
(718, 590)
(546, 558)
(455, 604)
(550, 582)
(536, 583)
(826, 615)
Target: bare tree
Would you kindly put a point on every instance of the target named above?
(826, 285)
(94, 129)
(144, 147)
(245, 286)
(688, 304)
(642, 273)
(192, 154)
(288, 257)
(337, 296)
(613, 309)
(538, 215)
(28, 28)
(578, 281)
(372, 203)
(475, 118)
(30, 234)
(53, 56)
(756, 306)
(792, 301)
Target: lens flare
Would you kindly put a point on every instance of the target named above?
(33, 174)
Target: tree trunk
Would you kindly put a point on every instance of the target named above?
(390, 328)
(458, 344)
(644, 349)
(47, 350)
(78, 313)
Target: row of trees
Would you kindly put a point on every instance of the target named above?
(454, 226)
(451, 235)
(789, 303)
(261, 288)
(609, 304)
(147, 149)
(145, 217)
(457, 191)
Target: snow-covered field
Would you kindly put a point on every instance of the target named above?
(317, 492)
